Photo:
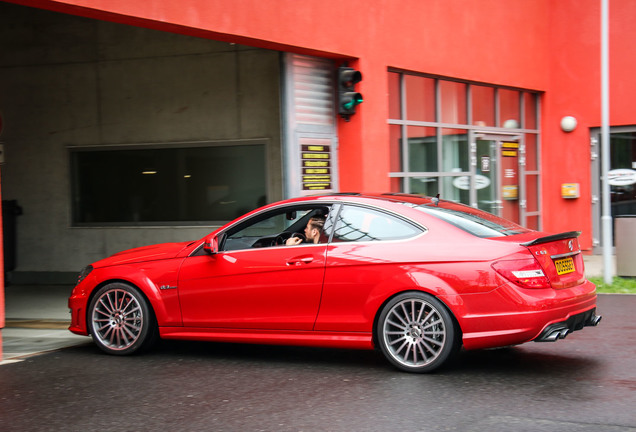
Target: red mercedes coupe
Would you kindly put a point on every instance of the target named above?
(417, 278)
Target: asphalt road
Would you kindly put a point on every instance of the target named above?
(586, 382)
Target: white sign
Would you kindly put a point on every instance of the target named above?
(621, 177)
(463, 182)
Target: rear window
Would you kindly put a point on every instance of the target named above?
(472, 220)
(363, 224)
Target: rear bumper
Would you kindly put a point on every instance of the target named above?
(511, 315)
(560, 330)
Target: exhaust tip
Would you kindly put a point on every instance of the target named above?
(594, 320)
(553, 334)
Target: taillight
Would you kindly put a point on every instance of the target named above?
(526, 273)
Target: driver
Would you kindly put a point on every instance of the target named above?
(313, 230)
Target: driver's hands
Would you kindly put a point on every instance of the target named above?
(293, 241)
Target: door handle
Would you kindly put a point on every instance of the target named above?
(300, 261)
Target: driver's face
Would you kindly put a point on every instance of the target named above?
(309, 233)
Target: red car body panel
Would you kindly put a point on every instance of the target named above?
(280, 290)
(330, 294)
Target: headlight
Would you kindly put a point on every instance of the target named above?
(85, 272)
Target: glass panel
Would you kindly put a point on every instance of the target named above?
(428, 186)
(422, 149)
(420, 98)
(167, 185)
(486, 178)
(270, 227)
(263, 230)
(362, 224)
(453, 101)
(531, 153)
(456, 189)
(532, 193)
(473, 221)
(622, 174)
(509, 109)
(455, 157)
(530, 108)
(395, 98)
(483, 109)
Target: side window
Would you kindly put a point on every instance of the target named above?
(362, 224)
(269, 229)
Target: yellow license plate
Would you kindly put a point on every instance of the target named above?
(564, 265)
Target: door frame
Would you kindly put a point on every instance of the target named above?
(498, 138)
(595, 180)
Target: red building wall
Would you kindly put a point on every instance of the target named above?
(575, 89)
(482, 40)
(543, 45)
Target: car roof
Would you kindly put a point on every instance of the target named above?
(361, 196)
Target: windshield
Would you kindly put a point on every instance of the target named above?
(472, 220)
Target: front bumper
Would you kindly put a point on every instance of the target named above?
(77, 303)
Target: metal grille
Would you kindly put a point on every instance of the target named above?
(312, 91)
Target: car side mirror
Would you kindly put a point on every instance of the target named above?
(211, 245)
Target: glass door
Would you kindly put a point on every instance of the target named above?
(497, 178)
(621, 177)
(487, 177)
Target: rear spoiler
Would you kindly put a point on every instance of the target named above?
(551, 238)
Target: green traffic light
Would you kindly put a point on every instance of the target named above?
(355, 100)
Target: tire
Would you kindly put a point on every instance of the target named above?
(417, 333)
(120, 320)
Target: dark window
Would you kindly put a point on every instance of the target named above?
(167, 185)
(363, 224)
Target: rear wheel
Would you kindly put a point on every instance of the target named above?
(120, 320)
(416, 333)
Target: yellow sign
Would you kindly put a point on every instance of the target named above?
(315, 164)
(570, 190)
(510, 192)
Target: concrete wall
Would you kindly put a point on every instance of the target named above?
(68, 81)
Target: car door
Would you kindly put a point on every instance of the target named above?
(369, 248)
(252, 283)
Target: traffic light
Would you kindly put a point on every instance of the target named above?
(348, 98)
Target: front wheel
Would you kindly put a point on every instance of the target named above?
(120, 320)
(416, 333)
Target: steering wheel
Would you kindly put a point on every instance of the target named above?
(284, 236)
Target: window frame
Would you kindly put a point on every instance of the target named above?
(401, 180)
(74, 180)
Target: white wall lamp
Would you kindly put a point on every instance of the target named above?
(568, 124)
